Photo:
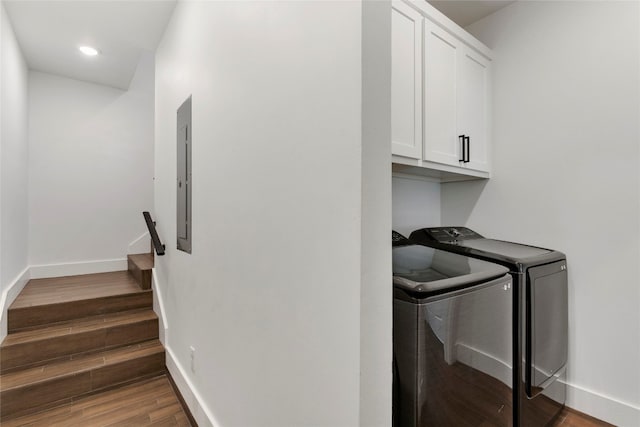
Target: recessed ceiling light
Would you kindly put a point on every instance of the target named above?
(88, 50)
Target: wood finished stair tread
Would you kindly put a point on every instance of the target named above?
(57, 290)
(148, 402)
(142, 261)
(79, 337)
(79, 325)
(38, 388)
(47, 301)
(62, 340)
(77, 365)
(139, 266)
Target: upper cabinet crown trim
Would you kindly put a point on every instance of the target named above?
(441, 20)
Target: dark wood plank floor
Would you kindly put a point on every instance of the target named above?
(570, 418)
(151, 402)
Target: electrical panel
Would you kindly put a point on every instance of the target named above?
(183, 200)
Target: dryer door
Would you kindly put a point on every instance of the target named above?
(546, 325)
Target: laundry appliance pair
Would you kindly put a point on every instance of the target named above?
(479, 330)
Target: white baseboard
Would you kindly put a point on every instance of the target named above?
(141, 245)
(158, 308)
(8, 296)
(603, 407)
(76, 268)
(192, 398)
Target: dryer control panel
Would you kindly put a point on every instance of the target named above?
(444, 234)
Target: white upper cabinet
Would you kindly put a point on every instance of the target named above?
(440, 83)
(406, 80)
(440, 95)
(473, 108)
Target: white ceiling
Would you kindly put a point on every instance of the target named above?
(49, 33)
(465, 13)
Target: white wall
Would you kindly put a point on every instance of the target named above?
(416, 204)
(376, 317)
(90, 166)
(565, 176)
(270, 297)
(14, 157)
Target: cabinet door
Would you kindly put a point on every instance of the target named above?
(473, 107)
(406, 81)
(441, 53)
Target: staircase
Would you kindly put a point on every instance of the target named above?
(71, 337)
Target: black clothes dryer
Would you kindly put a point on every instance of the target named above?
(452, 339)
(540, 316)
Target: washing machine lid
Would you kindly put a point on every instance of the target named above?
(507, 249)
(464, 241)
(425, 271)
(508, 253)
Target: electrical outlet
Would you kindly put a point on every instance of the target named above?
(192, 353)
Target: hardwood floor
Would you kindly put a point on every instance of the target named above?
(572, 418)
(151, 402)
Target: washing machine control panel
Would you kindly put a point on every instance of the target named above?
(445, 234)
(398, 239)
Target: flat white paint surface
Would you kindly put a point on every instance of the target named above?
(416, 204)
(142, 244)
(50, 33)
(90, 166)
(376, 317)
(565, 176)
(270, 296)
(13, 157)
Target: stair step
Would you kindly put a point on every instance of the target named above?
(60, 299)
(36, 388)
(34, 346)
(137, 404)
(140, 266)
